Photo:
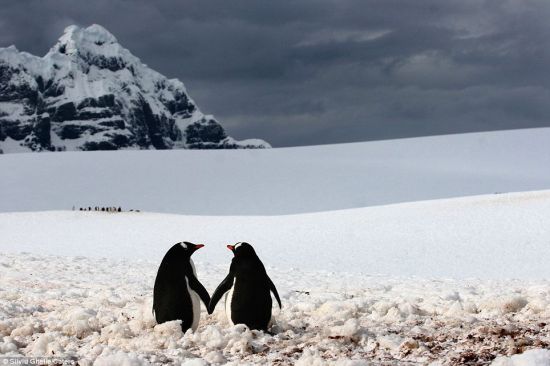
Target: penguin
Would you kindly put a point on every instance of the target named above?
(249, 299)
(177, 292)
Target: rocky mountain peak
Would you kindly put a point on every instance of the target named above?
(93, 40)
(89, 93)
(92, 37)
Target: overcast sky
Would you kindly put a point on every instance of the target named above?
(314, 72)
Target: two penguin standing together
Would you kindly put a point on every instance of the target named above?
(178, 292)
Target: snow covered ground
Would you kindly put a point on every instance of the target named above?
(279, 181)
(100, 310)
(454, 281)
(450, 281)
(492, 236)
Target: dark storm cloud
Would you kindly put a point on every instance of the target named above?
(307, 72)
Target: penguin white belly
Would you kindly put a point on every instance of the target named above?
(195, 300)
(228, 299)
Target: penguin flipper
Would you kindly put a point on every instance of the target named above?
(222, 288)
(196, 286)
(274, 290)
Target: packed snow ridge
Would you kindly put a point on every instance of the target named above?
(90, 93)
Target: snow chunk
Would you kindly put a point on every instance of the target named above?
(195, 362)
(169, 329)
(313, 358)
(351, 328)
(215, 357)
(390, 342)
(40, 346)
(81, 322)
(116, 331)
(119, 359)
(505, 304)
(534, 357)
(211, 337)
(26, 330)
(8, 346)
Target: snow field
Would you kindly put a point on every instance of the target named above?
(279, 181)
(448, 282)
(98, 311)
(493, 236)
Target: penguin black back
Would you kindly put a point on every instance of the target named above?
(177, 290)
(249, 299)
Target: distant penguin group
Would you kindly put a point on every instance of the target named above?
(178, 292)
(102, 209)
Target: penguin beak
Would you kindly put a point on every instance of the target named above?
(198, 246)
(231, 248)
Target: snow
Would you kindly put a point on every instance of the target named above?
(99, 309)
(9, 108)
(536, 357)
(12, 145)
(280, 181)
(93, 38)
(438, 282)
(444, 282)
(491, 236)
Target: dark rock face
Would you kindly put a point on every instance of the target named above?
(41, 132)
(77, 98)
(204, 132)
(64, 112)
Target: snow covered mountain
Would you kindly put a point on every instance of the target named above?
(90, 93)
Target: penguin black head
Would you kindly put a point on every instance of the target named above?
(242, 249)
(184, 249)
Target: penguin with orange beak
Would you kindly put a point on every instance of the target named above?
(178, 292)
(249, 290)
